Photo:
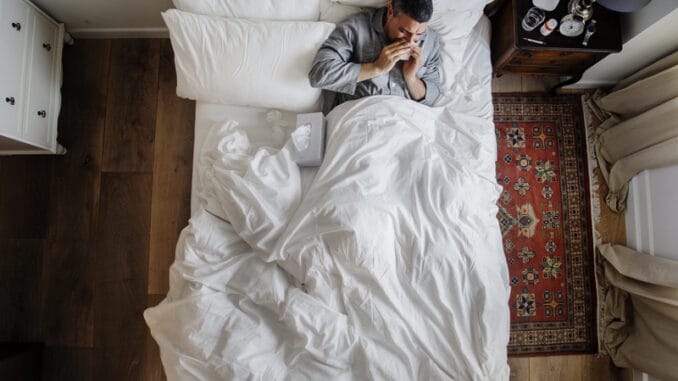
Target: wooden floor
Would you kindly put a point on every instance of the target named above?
(86, 239)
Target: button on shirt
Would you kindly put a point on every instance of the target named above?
(360, 39)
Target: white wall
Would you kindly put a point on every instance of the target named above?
(109, 18)
(648, 34)
(651, 212)
(634, 23)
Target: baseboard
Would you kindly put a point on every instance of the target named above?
(119, 33)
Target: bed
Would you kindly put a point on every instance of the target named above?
(385, 262)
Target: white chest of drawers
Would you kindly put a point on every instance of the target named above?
(30, 79)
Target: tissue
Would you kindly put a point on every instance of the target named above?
(301, 137)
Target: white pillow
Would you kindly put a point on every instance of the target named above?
(454, 24)
(453, 18)
(364, 3)
(333, 12)
(459, 5)
(245, 62)
(440, 5)
(283, 10)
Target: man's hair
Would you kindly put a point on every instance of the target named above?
(420, 10)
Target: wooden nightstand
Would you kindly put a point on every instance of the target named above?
(559, 55)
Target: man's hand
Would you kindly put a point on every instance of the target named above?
(411, 66)
(416, 86)
(391, 54)
(388, 57)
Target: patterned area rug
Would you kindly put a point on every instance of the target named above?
(544, 215)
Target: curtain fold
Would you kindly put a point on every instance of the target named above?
(640, 128)
(641, 311)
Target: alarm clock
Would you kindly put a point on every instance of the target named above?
(571, 26)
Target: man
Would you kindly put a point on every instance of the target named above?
(385, 51)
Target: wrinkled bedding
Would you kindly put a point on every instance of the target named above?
(389, 266)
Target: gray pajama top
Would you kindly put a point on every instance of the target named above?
(359, 39)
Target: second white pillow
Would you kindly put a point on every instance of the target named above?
(280, 10)
(245, 62)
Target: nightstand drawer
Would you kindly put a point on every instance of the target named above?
(556, 62)
(539, 58)
(540, 70)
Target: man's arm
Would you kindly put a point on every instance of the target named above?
(416, 87)
(331, 68)
(427, 88)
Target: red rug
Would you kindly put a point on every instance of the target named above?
(544, 215)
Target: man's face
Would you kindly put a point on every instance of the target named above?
(403, 27)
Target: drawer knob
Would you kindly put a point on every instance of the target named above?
(47, 46)
(42, 113)
(10, 100)
(16, 25)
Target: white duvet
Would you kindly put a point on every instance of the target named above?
(390, 266)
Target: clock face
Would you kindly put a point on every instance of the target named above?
(571, 26)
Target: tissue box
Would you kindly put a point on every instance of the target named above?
(310, 152)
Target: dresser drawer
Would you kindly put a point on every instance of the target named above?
(39, 108)
(14, 28)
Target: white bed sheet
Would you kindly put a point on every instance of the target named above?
(466, 82)
(233, 303)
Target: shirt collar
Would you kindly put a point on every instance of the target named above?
(378, 22)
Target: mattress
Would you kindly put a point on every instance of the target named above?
(466, 74)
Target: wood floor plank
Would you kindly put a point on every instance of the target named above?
(24, 196)
(557, 368)
(21, 361)
(153, 370)
(66, 363)
(600, 368)
(172, 168)
(20, 291)
(507, 83)
(68, 273)
(538, 84)
(121, 244)
(131, 107)
(520, 368)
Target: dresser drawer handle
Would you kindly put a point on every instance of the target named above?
(42, 113)
(10, 100)
(47, 47)
(17, 26)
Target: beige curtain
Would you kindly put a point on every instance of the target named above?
(640, 322)
(640, 130)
